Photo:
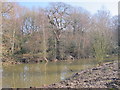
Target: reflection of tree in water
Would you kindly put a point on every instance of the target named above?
(23, 75)
(58, 72)
(65, 72)
(36, 74)
(26, 75)
(33, 74)
(13, 80)
(45, 71)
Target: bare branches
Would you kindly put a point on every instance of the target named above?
(57, 32)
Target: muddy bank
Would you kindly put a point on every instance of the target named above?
(102, 76)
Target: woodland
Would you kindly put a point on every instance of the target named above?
(58, 32)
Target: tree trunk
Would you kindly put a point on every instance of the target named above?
(13, 42)
(44, 43)
(57, 44)
(58, 49)
(78, 50)
(55, 49)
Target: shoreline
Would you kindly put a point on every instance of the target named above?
(102, 76)
(13, 62)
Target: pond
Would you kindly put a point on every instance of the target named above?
(26, 75)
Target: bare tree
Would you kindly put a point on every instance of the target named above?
(42, 24)
(101, 34)
(56, 15)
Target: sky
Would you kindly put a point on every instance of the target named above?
(91, 5)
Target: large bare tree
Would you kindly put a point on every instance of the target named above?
(57, 14)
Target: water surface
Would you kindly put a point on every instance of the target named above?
(26, 75)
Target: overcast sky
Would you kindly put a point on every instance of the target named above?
(91, 5)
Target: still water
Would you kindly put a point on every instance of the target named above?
(26, 75)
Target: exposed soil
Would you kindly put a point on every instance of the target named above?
(102, 76)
